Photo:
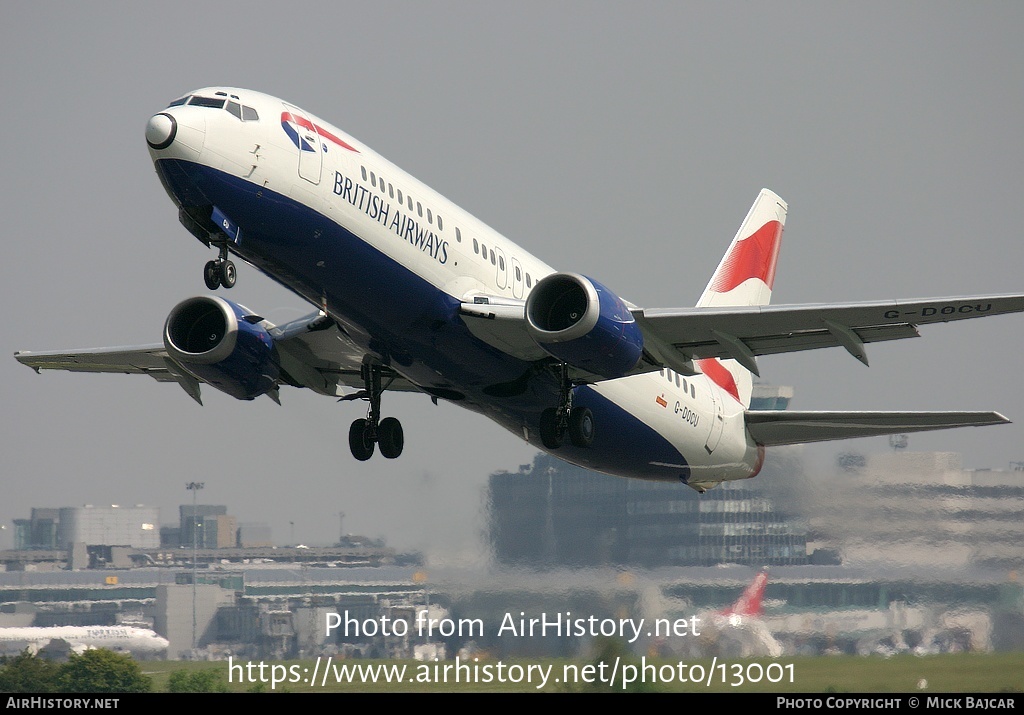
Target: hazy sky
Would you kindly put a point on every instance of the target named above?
(623, 141)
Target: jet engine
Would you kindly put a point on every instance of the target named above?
(224, 344)
(579, 321)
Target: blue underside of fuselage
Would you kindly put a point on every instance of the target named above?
(410, 324)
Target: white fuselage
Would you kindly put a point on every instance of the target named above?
(679, 427)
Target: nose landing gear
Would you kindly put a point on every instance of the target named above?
(221, 272)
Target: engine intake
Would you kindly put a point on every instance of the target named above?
(579, 321)
(224, 344)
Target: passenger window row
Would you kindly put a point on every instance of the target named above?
(389, 190)
(680, 381)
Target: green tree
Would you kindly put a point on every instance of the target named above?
(102, 671)
(25, 673)
(608, 651)
(196, 681)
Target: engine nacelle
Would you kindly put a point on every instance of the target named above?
(579, 321)
(223, 344)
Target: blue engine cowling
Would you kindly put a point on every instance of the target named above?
(224, 344)
(579, 321)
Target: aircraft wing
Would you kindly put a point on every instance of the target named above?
(677, 337)
(313, 351)
(741, 333)
(776, 427)
(149, 360)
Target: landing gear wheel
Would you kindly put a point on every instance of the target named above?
(228, 274)
(211, 274)
(550, 434)
(390, 437)
(358, 440)
(581, 427)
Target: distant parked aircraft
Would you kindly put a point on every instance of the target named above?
(81, 638)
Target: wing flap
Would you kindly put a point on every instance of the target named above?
(799, 341)
(778, 427)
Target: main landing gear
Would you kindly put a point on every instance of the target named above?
(556, 422)
(365, 433)
(220, 272)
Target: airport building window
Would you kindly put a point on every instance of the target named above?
(637, 523)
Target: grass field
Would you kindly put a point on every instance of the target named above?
(966, 673)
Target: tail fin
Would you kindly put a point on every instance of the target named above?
(749, 603)
(745, 277)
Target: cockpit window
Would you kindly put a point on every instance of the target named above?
(246, 114)
(211, 102)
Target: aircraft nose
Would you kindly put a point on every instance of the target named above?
(161, 130)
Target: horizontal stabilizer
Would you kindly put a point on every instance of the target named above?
(775, 427)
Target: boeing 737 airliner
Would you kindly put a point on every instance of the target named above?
(414, 294)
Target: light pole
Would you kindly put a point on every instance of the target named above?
(194, 487)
